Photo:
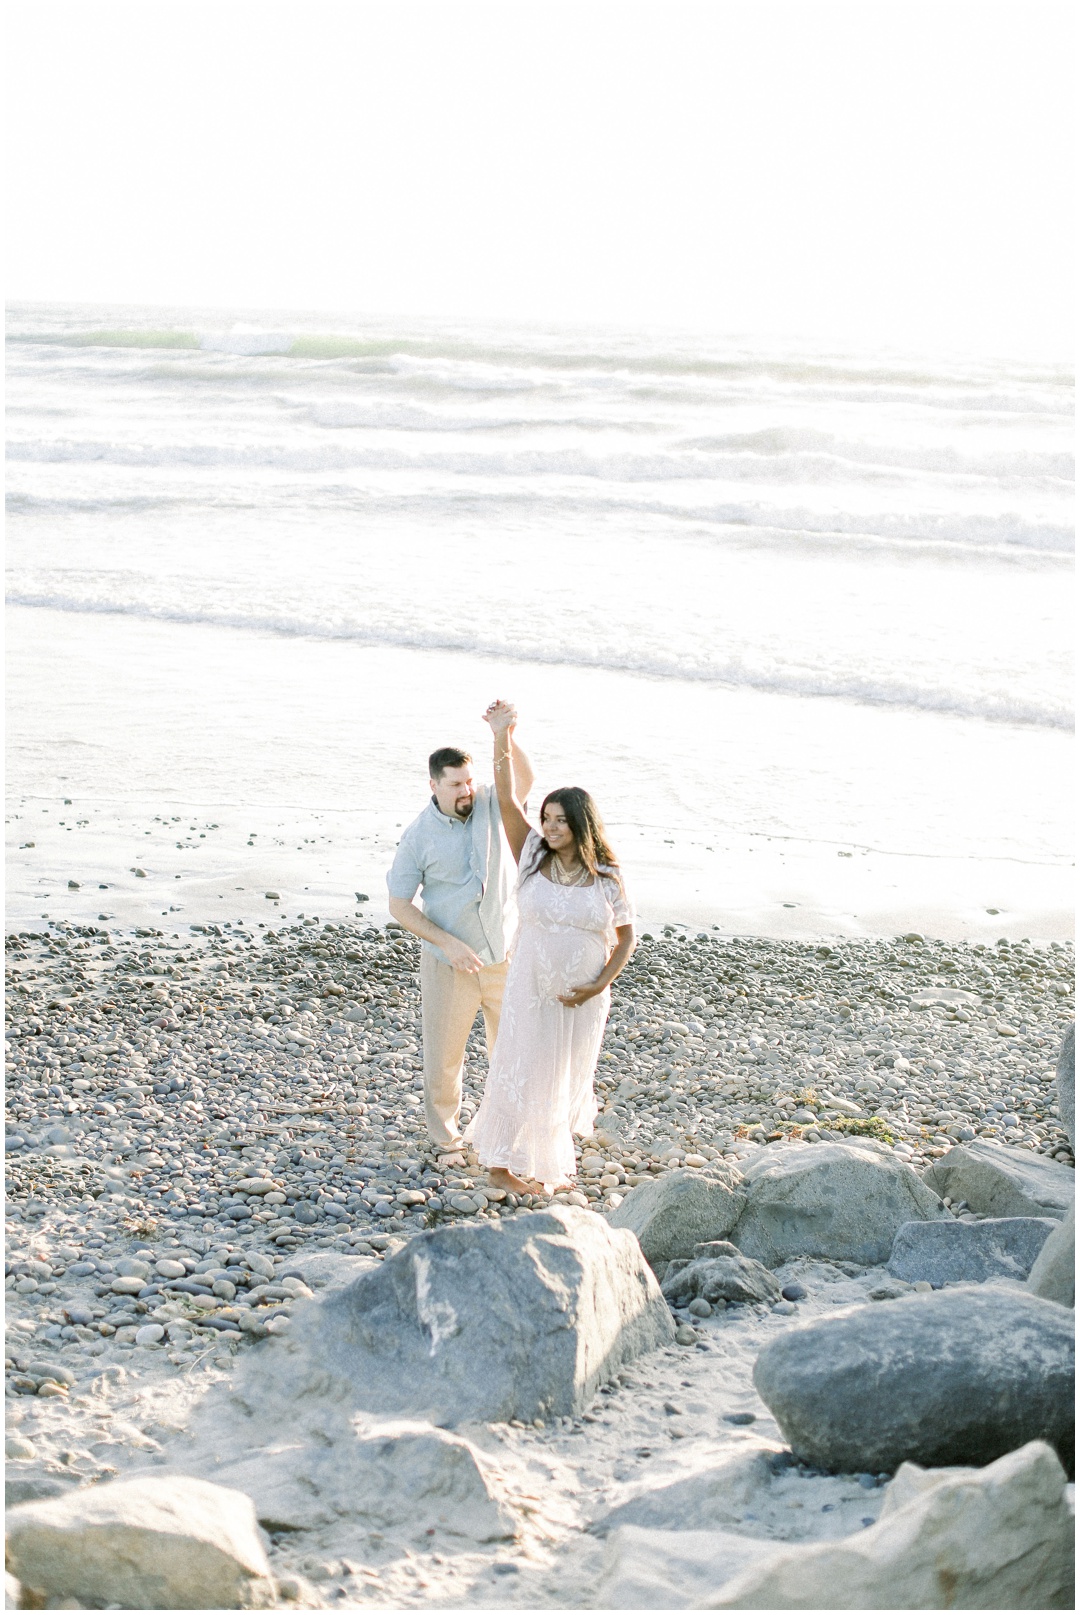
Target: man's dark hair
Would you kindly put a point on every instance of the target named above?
(446, 757)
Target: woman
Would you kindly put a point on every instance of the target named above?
(575, 934)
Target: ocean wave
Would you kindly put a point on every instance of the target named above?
(795, 442)
(604, 476)
(612, 352)
(16, 501)
(839, 683)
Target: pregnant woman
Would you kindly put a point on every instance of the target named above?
(575, 934)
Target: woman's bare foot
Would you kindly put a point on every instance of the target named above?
(502, 1178)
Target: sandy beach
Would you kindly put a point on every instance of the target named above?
(807, 650)
(208, 1133)
(376, 369)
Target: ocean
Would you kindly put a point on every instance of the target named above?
(799, 620)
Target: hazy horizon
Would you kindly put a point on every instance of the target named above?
(819, 173)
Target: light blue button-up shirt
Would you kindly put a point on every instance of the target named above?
(463, 867)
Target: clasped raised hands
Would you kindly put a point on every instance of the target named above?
(502, 716)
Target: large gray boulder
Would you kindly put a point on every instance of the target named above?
(993, 1538)
(167, 1542)
(1066, 1083)
(1054, 1274)
(958, 1376)
(723, 1274)
(944, 1252)
(672, 1214)
(1003, 1182)
(519, 1319)
(843, 1201)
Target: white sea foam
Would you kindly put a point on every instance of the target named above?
(885, 531)
(995, 705)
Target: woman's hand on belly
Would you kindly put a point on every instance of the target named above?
(580, 995)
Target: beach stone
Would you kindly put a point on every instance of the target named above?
(325, 1271)
(945, 1252)
(168, 1542)
(522, 1318)
(1054, 1273)
(1003, 1182)
(42, 1369)
(648, 1569)
(727, 1275)
(957, 1376)
(842, 1201)
(672, 1214)
(1066, 1082)
(706, 1500)
(993, 1538)
(401, 1475)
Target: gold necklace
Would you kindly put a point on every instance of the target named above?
(575, 880)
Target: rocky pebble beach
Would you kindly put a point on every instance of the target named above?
(209, 1134)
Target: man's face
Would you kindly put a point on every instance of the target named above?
(455, 792)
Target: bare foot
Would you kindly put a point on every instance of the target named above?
(451, 1158)
(502, 1178)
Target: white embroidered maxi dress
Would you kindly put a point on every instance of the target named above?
(539, 1089)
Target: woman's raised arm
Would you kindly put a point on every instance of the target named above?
(502, 717)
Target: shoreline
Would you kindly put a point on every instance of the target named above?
(76, 859)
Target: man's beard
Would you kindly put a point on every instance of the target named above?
(464, 809)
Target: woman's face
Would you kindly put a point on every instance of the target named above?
(557, 833)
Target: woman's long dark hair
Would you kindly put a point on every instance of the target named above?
(587, 828)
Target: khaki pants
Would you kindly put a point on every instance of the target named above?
(449, 1001)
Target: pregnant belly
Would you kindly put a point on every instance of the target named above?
(560, 960)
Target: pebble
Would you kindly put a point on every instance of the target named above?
(220, 1098)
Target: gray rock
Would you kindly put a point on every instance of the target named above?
(834, 1201)
(153, 1543)
(708, 1499)
(1003, 1182)
(402, 1476)
(326, 1271)
(645, 1569)
(1066, 1083)
(672, 1214)
(993, 1538)
(523, 1318)
(943, 1252)
(956, 1376)
(1054, 1274)
(726, 1276)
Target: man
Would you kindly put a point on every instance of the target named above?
(456, 852)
